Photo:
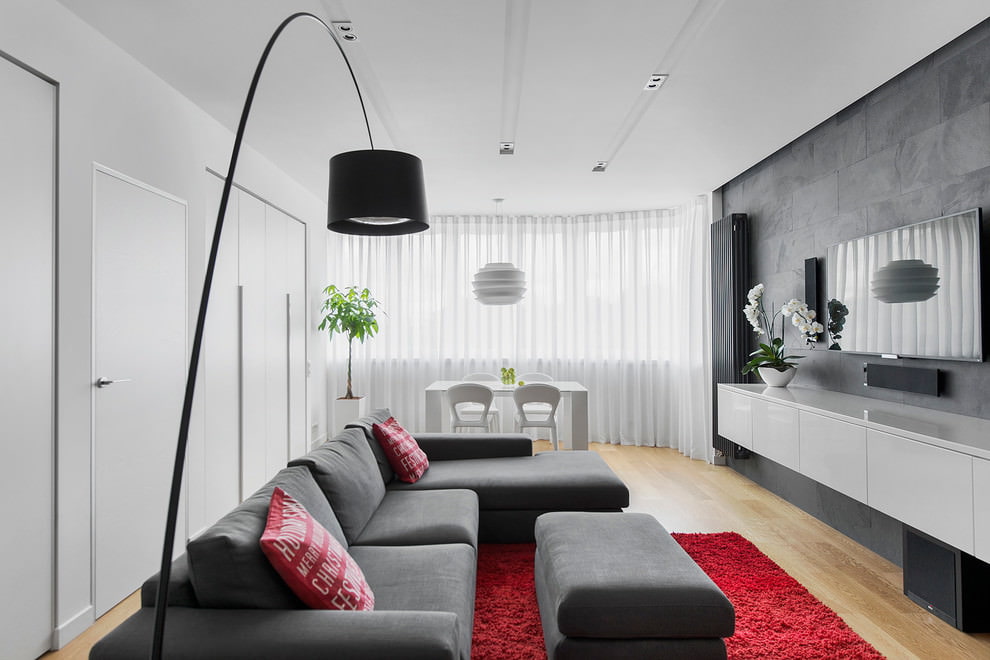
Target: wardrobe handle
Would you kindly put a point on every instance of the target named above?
(103, 382)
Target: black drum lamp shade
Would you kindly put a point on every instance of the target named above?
(376, 192)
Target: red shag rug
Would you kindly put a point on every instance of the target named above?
(775, 616)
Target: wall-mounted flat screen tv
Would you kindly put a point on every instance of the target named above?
(913, 291)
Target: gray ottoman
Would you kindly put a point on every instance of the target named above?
(617, 585)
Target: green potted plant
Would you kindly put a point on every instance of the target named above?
(350, 312)
(771, 360)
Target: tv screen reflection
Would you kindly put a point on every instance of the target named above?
(913, 291)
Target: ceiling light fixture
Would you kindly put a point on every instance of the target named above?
(513, 65)
(345, 29)
(697, 21)
(655, 81)
(375, 192)
(499, 283)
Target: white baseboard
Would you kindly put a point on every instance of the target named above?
(72, 628)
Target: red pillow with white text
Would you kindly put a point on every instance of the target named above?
(311, 561)
(403, 452)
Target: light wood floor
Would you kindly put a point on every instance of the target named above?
(692, 496)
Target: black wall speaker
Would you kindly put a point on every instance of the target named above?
(905, 379)
(947, 582)
(811, 287)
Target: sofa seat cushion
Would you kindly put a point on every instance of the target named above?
(429, 578)
(226, 564)
(423, 517)
(198, 634)
(557, 481)
(346, 471)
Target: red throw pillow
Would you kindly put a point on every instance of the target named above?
(310, 560)
(402, 451)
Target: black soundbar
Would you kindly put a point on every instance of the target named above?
(905, 379)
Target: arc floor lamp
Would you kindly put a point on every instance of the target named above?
(373, 192)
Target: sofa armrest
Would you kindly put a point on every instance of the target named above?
(180, 590)
(455, 446)
(216, 634)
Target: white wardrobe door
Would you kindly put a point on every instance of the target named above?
(27, 186)
(139, 316)
(296, 286)
(255, 413)
(214, 478)
(276, 342)
(254, 417)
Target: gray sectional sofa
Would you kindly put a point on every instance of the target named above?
(415, 543)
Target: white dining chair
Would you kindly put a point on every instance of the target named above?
(475, 409)
(528, 415)
(481, 377)
(537, 377)
(471, 407)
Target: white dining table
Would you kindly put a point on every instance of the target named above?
(574, 401)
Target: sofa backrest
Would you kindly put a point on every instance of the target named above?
(228, 568)
(379, 416)
(347, 473)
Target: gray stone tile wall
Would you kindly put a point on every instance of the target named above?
(916, 148)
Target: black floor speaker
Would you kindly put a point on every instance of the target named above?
(949, 583)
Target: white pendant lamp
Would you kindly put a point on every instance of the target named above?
(499, 283)
(905, 281)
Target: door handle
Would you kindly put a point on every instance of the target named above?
(103, 382)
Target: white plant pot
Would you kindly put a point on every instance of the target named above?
(775, 378)
(346, 411)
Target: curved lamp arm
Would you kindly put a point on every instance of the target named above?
(161, 600)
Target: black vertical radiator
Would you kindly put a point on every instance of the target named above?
(730, 330)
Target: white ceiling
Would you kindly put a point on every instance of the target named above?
(755, 76)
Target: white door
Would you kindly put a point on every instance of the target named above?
(27, 188)
(139, 316)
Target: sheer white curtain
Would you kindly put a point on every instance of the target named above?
(618, 302)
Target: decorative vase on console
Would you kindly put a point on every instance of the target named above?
(771, 360)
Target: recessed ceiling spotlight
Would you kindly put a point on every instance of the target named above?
(655, 82)
(345, 29)
(600, 166)
(507, 148)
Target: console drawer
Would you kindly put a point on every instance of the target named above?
(775, 433)
(927, 487)
(735, 418)
(833, 452)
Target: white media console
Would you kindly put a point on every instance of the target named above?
(926, 468)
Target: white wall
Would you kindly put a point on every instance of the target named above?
(116, 112)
